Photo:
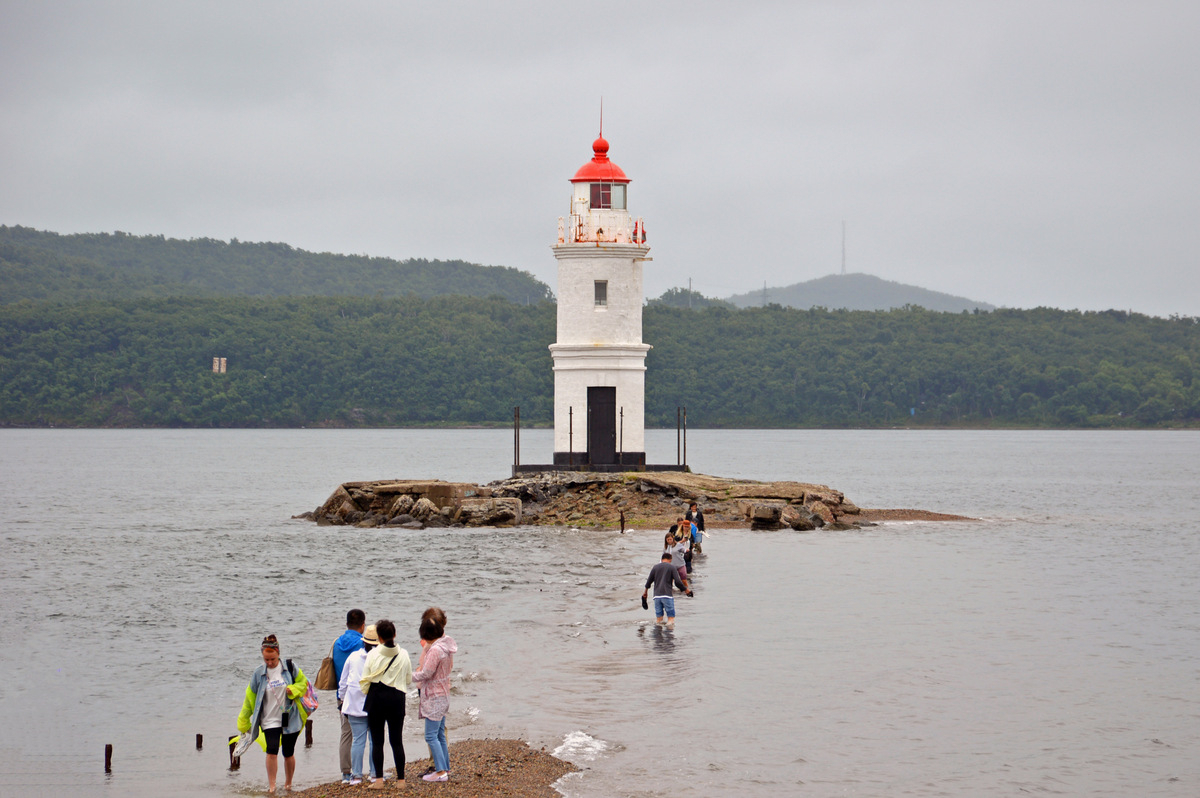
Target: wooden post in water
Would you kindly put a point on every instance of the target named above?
(108, 758)
(308, 734)
(677, 409)
(199, 742)
(517, 435)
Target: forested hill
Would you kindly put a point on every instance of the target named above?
(460, 360)
(41, 265)
(856, 292)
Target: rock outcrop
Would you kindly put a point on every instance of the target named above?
(415, 504)
(582, 499)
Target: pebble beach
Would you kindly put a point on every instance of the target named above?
(494, 768)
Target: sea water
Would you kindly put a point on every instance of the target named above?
(1052, 646)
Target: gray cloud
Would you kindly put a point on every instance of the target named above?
(1018, 153)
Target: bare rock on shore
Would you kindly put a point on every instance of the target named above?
(493, 768)
(657, 499)
(633, 499)
(408, 504)
(802, 519)
(764, 515)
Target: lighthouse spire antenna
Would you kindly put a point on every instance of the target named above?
(601, 116)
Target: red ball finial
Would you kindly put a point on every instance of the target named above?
(600, 147)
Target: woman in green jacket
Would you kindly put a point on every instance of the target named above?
(272, 704)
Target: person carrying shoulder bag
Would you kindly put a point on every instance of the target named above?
(386, 679)
(349, 642)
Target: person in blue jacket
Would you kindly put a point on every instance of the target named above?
(349, 642)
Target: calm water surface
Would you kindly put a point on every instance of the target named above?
(1051, 648)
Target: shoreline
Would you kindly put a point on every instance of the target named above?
(479, 767)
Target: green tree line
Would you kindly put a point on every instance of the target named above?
(447, 360)
(48, 266)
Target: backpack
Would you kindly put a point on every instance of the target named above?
(309, 699)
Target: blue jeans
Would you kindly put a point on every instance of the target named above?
(662, 603)
(435, 736)
(358, 727)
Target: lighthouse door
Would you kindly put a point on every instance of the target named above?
(602, 426)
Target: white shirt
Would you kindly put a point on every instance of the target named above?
(348, 689)
(274, 698)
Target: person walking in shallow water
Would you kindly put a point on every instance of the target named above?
(696, 516)
(433, 677)
(272, 703)
(663, 576)
(677, 549)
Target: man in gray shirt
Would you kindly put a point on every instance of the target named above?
(664, 577)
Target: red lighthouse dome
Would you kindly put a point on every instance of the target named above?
(600, 169)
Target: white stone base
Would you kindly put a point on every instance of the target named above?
(578, 367)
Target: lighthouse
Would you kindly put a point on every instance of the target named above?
(599, 357)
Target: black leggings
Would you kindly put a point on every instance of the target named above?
(391, 712)
(289, 742)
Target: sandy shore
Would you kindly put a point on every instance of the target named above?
(492, 768)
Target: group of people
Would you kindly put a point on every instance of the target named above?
(374, 679)
(683, 541)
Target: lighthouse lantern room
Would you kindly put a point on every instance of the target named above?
(599, 358)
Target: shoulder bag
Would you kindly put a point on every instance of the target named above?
(379, 692)
(326, 678)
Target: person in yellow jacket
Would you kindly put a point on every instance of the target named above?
(386, 679)
(272, 703)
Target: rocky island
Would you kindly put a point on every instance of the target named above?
(634, 499)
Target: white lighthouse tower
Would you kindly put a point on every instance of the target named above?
(599, 358)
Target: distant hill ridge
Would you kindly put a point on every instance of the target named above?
(42, 265)
(857, 292)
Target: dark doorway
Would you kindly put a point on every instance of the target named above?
(602, 425)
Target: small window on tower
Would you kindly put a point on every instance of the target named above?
(601, 195)
(618, 197)
(602, 293)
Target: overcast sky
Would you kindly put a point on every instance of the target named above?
(1018, 153)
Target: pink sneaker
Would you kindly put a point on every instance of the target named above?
(436, 777)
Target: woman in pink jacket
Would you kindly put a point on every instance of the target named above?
(433, 677)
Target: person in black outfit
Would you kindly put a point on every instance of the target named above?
(696, 516)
